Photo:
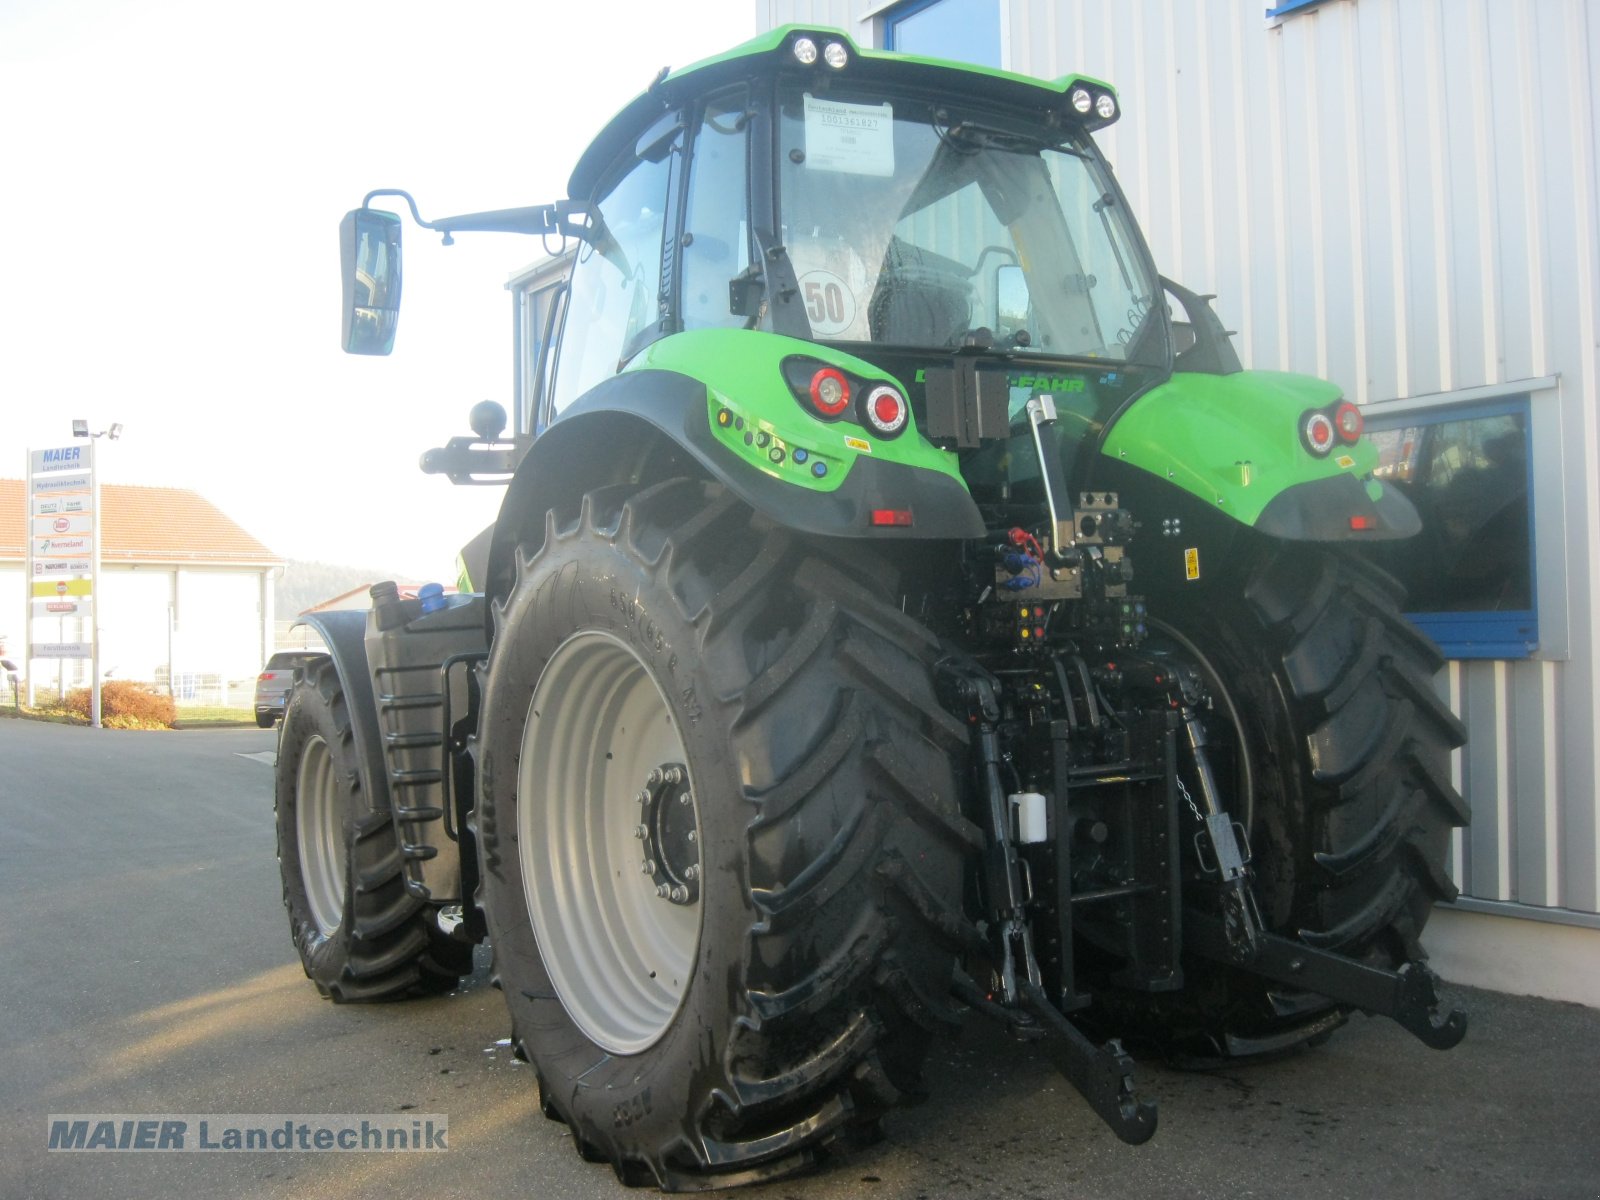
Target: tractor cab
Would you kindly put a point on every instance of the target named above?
(973, 240)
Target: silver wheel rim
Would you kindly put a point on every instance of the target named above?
(619, 954)
(320, 832)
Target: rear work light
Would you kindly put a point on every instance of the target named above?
(830, 392)
(884, 411)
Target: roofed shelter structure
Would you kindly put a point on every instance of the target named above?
(185, 593)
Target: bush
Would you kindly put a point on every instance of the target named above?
(125, 705)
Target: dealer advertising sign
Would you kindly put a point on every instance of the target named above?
(62, 527)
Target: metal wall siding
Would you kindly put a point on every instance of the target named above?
(1401, 196)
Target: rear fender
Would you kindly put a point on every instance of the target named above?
(652, 422)
(1233, 443)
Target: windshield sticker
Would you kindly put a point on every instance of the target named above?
(830, 305)
(857, 139)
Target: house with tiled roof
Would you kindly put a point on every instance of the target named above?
(185, 594)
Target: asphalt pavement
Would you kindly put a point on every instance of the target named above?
(146, 969)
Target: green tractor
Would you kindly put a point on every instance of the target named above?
(902, 606)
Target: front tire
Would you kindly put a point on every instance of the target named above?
(783, 1000)
(360, 934)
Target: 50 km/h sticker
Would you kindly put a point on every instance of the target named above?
(830, 307)
(1191, 563)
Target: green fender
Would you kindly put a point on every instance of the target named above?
(718, 398)
(1233, 442)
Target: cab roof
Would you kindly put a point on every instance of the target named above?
(772, 52)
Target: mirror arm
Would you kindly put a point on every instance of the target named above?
(568, 218)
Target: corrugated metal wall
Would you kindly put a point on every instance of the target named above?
(1399, 195)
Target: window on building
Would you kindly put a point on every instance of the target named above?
(1285, 7)
(964, 30)
(533, 327)
(1469, 574)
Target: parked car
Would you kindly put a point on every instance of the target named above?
(275, 682)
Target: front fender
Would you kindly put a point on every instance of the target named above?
(1233, 442)
(345, 633)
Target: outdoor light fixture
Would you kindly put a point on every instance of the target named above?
(836, 55)
(805, 50)
(81, 429)
(1082, 101)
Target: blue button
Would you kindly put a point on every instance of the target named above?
(819, 469)
(801, 455)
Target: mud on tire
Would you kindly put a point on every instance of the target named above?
(1346, 760)
(360, 934)
(827, 920)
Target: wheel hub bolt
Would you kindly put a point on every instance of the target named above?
(679, 894)
(694, 835)
(674, 775)
(640, 832)
(643, 798)
(691, 872)
(685, 798)
(648, 867)
(662, 891)
(653, 779)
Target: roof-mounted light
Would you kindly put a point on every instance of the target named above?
(805, 51)
(835, 55)
(1082, 100)
(1105, 107)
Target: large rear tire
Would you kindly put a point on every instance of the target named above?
(725, 1024)
(1332, 742)
(360, 934)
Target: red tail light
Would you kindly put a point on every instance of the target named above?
(830, 392)
(1347, 417)
(885, 410)
(1316, 431)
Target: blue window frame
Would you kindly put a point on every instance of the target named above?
(964, 30)
(1290, 6)
(1470, 573)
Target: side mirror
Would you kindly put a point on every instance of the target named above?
(369, 253)
(1010, 300)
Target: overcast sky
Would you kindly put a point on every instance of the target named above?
(174, 174)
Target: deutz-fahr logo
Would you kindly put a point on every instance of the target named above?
(1046, 383)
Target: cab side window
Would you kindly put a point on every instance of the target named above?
(716, 232)
(616, 282)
